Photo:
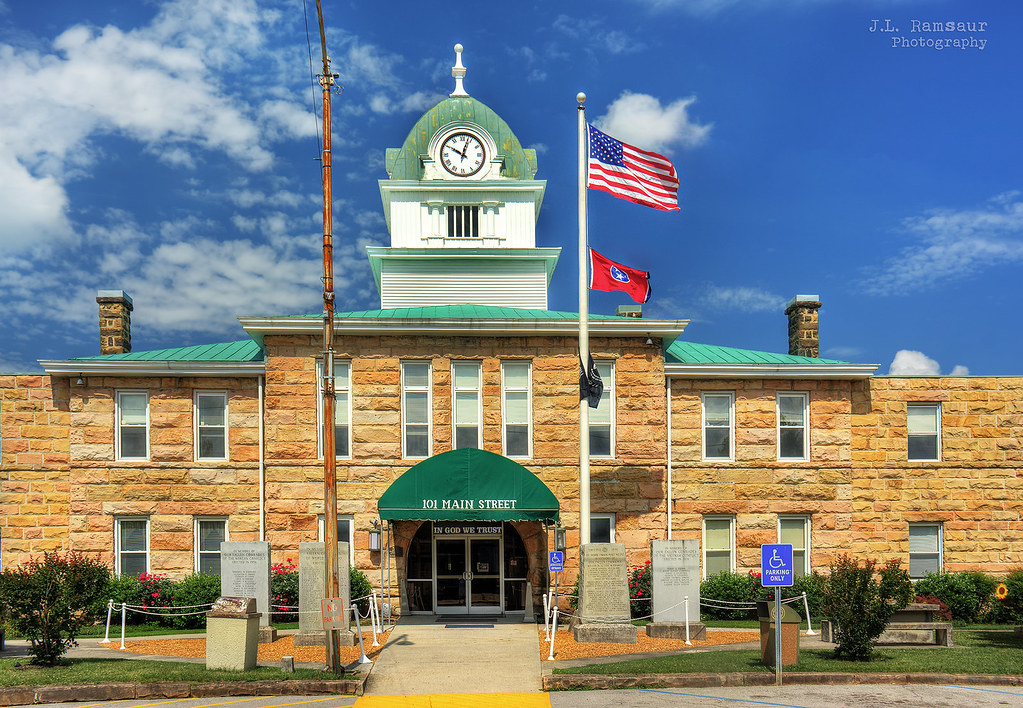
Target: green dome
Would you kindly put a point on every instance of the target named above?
(404, 164)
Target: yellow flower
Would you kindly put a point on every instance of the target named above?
(1001, 592)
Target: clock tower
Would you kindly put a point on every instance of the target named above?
(461, 205)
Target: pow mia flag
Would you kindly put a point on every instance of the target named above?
(590, 384)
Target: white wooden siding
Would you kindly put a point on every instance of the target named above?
(453, 282)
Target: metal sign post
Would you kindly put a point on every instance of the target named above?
(776, 572)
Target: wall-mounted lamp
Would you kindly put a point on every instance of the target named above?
(649, 340)
(560, 539)
(375, 536)
(80, 381)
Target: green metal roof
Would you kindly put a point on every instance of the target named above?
(404, 164)
(692, 353)
(243, 351)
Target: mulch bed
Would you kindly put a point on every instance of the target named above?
(285, 646)
(565, 646)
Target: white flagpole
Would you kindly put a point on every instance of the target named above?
(584, 337)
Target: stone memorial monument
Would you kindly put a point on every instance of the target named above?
(675, 575)
(311, 590)
(232, 634)
(604, 596)
(245, 572)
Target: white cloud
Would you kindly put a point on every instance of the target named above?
(641, 120)
(953, 245)
(417, 102)
(596, 37)
(908, 362)
(741, 299)
(168, 86)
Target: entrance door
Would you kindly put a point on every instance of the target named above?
(468, 575)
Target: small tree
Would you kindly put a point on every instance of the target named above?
(47, 601)
(861, 604)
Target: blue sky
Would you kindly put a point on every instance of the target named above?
(168, 149)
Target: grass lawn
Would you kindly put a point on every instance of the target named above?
(18, 672)
(987, 652)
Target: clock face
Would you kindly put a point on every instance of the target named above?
(462, 154)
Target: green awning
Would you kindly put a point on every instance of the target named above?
(468, 485)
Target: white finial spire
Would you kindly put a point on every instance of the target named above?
(458, 72)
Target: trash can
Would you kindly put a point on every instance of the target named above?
(790, 621)
(232, 634)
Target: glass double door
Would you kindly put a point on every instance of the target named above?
(468, 575)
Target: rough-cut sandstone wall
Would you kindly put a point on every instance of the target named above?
(171, 488)
(34, 484)
(975, 491)
(756, 487)
(631, 485)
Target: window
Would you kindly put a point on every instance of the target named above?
(345, 529)
(132, 425)
(792, 426)
(923, 424)
(465, 394)
(602, 417)
(342, 408)
(602, 528)
(718, 425)
(415, 408)
(131, 545)
(924, 550)
(210, 409)
(516, 408)
(463, 221)
(796, 531)
(210, 532)
(718, 544)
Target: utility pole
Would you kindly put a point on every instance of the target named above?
(332, 583)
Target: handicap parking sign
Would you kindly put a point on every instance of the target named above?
(556, 561)
(776, 568)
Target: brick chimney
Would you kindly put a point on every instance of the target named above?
(804, 339)
(114, 321)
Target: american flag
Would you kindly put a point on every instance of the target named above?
(630, 173)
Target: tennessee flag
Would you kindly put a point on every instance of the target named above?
(607, 275)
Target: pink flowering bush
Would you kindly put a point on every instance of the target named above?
(284, 591)
(639, 590)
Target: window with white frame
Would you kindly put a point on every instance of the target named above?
(924, 550)
(602, 528)
(467, 404)
(132, 413)
(415, 408)
(718, 425)
(795, 530)
(793, 426)
(210, 532)
(131, 545)
(516, 408)
(342, 408)
(923, 427)
(345, 533)
(718, 544)
(602, 417)
(210, 420)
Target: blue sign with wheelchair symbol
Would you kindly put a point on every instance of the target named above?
(556, 561)
(776, 568)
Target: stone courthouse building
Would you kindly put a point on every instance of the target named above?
(457, 423)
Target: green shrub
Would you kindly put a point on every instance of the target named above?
(813, 585)
(194, 594)
(283, 591)
(359, 587)
(640, 599)
(968, 594)
(1012, 605)
(728, 587)
(861, 604)
(48, 601)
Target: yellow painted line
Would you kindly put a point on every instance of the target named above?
(311, 700)
(225, 703)
(457, 700)
(128, 700)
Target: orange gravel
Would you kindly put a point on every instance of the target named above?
(285, 646)
(565, 646)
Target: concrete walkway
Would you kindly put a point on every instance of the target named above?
(424, 656)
